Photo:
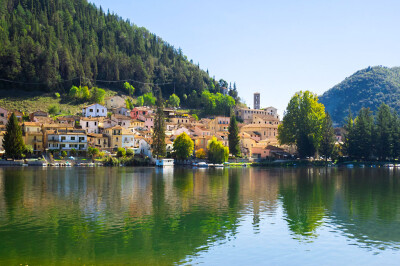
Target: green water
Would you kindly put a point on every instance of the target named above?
(147, 216)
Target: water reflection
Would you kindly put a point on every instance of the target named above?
(162, 216)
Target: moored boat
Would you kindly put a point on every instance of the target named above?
(164, 162)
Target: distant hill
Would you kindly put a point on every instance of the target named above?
(50, 45)
(366, 88)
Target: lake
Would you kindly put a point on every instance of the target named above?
(231, 216)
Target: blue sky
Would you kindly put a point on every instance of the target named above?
(274, 47)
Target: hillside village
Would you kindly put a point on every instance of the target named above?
(112, 126)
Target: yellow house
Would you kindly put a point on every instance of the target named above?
(33, 136)
(100, 141)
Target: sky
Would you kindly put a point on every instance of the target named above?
(274, 47)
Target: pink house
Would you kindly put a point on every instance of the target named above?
(3, 116)
(140, 112)
(149, 121)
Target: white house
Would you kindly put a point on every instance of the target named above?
(67, 139)
(128, 139)
(94, 110)
(145, 148)
(91, 124)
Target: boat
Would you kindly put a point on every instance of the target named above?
(389, 165)
(202, 164)
(164, 162)
(218, 165)
(350, 165)
(68, 163)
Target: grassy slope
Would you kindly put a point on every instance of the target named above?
(28, 102)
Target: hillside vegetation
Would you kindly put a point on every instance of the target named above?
(50, 45)
(369, 87)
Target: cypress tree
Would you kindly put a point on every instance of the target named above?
(233, 137)
(159, 147)
(13, 143)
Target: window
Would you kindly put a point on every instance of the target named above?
(102, 111)
(90, 110)
(2, 114)
(87, 124)
(72, 138)
(63, 138)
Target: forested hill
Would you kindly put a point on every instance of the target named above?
(54, 44)
(366, 88)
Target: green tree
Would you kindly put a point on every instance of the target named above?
(129, 152)
(72, 152)
(28, 151)
(129, 104)
(92, 152)
(183, 146)
(129, 88)
(149, 99)
(74, 92)
(54, 109)
(384, 132)
(85, 93)
(328, 138)
(13, 143)
(98, 95)
(159, 147)
(174, 100)
(121, 152)
(233, 137)
(217, 152)
(140, 101)
(195, 117)
(363, 129)
(64, 154)
(395, 135)
(302, 123)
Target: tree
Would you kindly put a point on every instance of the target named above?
(13, 143)
(384, 132)
(129, 104)
(121, 152)
(363, 130)
(74, 92)
(129, 88)
(217, 152)
(85, 93)
(183, 146)
(64, 154)
(72, 152)
(302, 123)
(92, 152)
(53, 109)
(159, 147)
(98, 95)
(233, 137)
(140, 101)
(195, 117)
(149, 99)
(328, 138)
(129, 152)
(201, 154)
(174, 100)
(28, 150)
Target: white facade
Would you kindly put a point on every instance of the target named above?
(94, 110)
(128, 140)
(91, 126)
(144, 149)
(67, 141)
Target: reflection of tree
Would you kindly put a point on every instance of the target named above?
(368, 206)
(115, 215)
(13, 189)
(306, 195)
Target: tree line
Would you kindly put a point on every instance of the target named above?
(369, 136)
(54, 44)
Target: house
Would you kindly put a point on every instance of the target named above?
(121, 111)
(179, 119)
(91, 124)
(33, 117)
(49, 128)
(33, 136)
(180, 130)
(100, 141)
(94, 110)
(149, 121)
(114, 102)
(201, 131)
(266, 131)
(120, 137)
(68, 120)
(67, 139)
(246, 114)
(140, 112)
(2, 132)
(121, 120)
(145, 148)
(201, 142)
(219, 123)
(3, 116)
